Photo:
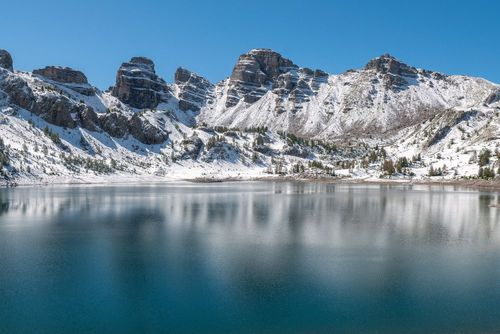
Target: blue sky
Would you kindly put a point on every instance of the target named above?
(454, 37)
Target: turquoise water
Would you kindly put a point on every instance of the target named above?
(249, 257)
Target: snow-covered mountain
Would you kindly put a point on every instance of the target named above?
(266, 89)
(270, 115)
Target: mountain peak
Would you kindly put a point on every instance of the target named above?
(138, 85)
(387, 63)
(143, 62)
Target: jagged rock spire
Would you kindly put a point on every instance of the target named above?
(138, 85)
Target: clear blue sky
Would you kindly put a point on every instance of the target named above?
(454, 37)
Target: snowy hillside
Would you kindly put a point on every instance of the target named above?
(270, 117)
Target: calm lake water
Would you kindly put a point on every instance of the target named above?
(249, 257)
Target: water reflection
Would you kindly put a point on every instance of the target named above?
(280, 212)
(254, 256)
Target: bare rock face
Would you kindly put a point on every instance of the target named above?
(62, 74)
(492, 98)
(68, 77)
(56, 109)
(262, 70)
(192, 147)
(114, 123)
(138, 85)
(118, 125)
(388, 64)
(145, 132)
(392, 71)
(254, 73)
(88, 118)
(194, 90)
(18, 91)
(6, 60)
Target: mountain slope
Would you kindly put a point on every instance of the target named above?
(269, 116)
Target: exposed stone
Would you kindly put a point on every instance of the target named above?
(69, 77)
(194, 90)
(62, 74)
(18, 91)
(192, 147)
(492, 98)
(88, 118)
(254, 73)
(145, 132)
(394, 72)
(6, 60)
(56, 109)
(138, 85)
(262, 70)
(115, 124)
(388, 64)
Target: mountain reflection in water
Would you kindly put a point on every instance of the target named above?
(249, 257)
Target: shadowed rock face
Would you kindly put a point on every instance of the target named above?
(118, 125)
(493, 97)
(62, 74)
(6, 60)
(260, 66)
(69, 77)
(18, 91)
(254, 73)
(138, 85)
(145, 132)
(194, 90)
(262, 70)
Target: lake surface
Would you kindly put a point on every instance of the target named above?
(249, 257)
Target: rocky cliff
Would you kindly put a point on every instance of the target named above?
(269, 114)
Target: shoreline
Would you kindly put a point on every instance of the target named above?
(485, 185)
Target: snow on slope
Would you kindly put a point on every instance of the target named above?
(266, 119)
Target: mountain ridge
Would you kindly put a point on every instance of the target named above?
(272, 108)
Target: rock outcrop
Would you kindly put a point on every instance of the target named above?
(492, 98)
(6, 60)
(88, 118)
(68, 77)
(194, 91)
(263, 70)
(119, 125)
(62, 74)
(18, 91)
(254, 74)
(393, 72)
(56, 109)
(145, 132)
(138, 85)
(114, 123)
